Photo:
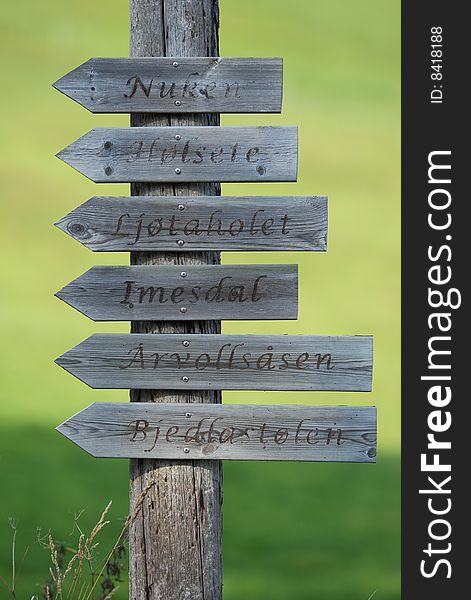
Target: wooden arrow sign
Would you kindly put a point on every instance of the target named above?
(176, 154)
(190, 292)
(231, 362)
(176, 85)
(187, 223)
(225, 431)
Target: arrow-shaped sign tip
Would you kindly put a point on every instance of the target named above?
(72, 358)
(73, 154)
(62, 223)
(62, 295)
(71, 84)
(74, 427)
(70, 294)
(72, 224)
(62, 428)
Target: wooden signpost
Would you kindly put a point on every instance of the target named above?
(186, 85)
(229, 431)
(231, 362)
(166, 293)
(175, 361)
(123, 154)
(186, 223)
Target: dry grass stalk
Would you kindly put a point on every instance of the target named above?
(78, 578)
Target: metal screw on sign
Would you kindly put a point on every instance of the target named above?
(178, 171)
(186, 343)
(185, 379)
(178, 103)
(175, 63)
(183, 274)
(180, 243)
(183, 309)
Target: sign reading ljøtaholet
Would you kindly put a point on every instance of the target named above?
(186, 223)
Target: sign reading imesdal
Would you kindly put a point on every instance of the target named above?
(435, 169)
(189, 292)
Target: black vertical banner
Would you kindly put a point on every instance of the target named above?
(435, 258)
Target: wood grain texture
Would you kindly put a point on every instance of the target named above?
(182, 154)
(231, 362)
(115, 224)
(176, 85)
(229, 432)
(168, 292)
(175, 542)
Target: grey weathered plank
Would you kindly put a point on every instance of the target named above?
(258, 362)
(176, 154)
(190, 223)
(176, 85)
(228, 431)
(173, 293)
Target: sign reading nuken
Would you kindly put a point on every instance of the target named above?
(200, 361)
(176, 85)
(227, 431)
(194, 292)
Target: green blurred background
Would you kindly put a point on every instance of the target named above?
(291, 530)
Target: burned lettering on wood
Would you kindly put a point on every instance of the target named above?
(209, 430)
(226, 290)
(139, 226)
(190, 152)
(192, 87)
(228, 357)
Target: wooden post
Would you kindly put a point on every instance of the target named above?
(175, 541)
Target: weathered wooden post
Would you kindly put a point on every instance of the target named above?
(175, 543)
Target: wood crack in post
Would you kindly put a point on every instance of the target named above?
(143, 520)
(198, 524)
